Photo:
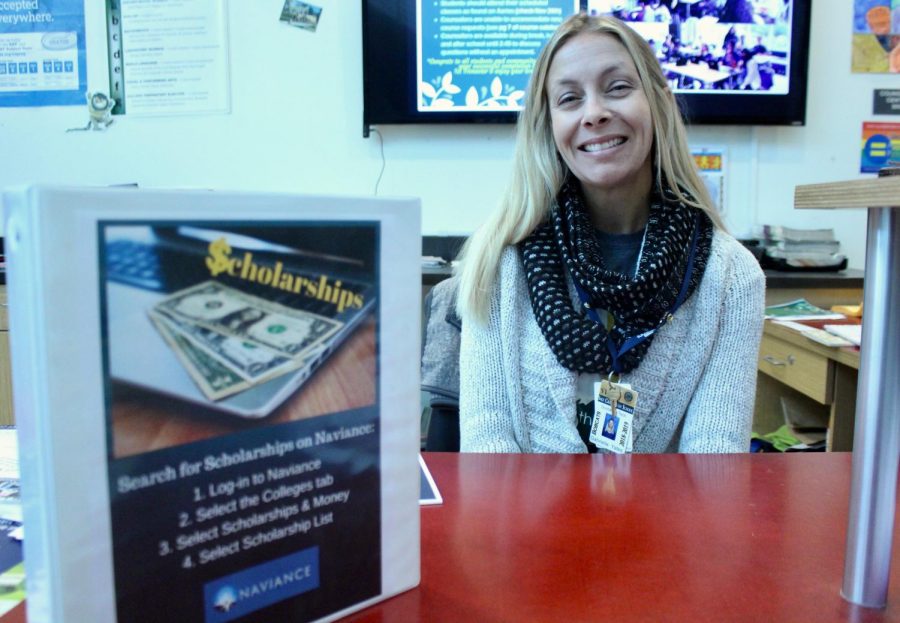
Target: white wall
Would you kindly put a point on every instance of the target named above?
(296, 125)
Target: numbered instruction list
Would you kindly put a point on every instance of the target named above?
(193, 523)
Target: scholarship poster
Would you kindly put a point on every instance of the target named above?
(242, 418)
(477, 54)
(880, 146)
(42, 53)
(876, 36)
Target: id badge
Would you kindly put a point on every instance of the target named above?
(612, 427)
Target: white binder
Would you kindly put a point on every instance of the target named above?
(166, 477)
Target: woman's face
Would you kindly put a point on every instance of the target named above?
(600, 116)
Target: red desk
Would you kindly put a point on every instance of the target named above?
(639, 538)
(634, 538)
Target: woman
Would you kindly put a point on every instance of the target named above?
(605, 233)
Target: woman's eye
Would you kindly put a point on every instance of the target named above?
(566, 98)
(620, 88)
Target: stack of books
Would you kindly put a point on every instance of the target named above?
(799, 309)
(790, 248)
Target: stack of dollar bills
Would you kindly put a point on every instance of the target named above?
(230, 341)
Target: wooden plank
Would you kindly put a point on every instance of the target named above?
(868, 193)
(6, 408)
(821, 297)
(4, 316)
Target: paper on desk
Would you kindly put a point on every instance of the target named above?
(9, 453)
(796, 326)
(850, 332)
(428, 491)
(820, 336)
(827, 339)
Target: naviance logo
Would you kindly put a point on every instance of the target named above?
(225, 599)
(241, 593)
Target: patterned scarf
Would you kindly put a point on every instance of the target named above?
(567, 243)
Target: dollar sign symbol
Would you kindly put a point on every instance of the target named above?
(219, 260)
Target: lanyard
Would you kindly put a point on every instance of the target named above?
(629, 343)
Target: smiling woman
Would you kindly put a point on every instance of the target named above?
(601, 126)
(604, 294)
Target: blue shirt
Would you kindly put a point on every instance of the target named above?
(621, 251)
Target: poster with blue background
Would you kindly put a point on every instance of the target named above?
(42, 53)
(478, 54)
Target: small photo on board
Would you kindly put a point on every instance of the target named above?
(301, 14)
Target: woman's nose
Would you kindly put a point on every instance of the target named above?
(595, 112)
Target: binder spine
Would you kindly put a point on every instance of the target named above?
(30, 392)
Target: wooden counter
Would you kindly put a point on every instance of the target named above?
(694, 538)
(634, 538)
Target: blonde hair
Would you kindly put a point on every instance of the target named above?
(538, 172)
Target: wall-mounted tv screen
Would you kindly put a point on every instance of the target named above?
(469, 61)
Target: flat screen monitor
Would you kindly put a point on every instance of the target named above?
(468, 61)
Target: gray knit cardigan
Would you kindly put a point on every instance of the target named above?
(696, 384)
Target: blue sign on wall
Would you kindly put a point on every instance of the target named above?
(42, 47)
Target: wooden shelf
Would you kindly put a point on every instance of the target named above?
(869, 193)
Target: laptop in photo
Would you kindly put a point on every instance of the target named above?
(148, 264)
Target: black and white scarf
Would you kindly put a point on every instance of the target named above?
(567, 243)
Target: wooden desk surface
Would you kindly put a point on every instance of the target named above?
(635, 538)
